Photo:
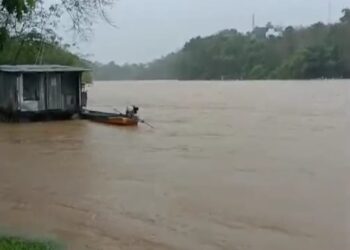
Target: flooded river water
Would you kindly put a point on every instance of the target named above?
(229, 165)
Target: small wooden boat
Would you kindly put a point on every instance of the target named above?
(110, 118)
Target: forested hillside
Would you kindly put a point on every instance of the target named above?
(317, 51)
(28, 35)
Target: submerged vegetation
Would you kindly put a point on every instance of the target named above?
(270, 52)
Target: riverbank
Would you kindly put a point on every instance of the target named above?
(17, 243)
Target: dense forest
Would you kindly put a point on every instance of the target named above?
(318, 51)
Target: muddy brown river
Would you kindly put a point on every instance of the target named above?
(229, 165)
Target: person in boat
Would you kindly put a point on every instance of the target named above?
(131, 111)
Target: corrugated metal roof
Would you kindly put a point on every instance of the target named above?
(40, 68)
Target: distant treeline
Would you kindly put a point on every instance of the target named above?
(270, 52)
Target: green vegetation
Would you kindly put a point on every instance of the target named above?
(14, 243)
(21, 16)
(28, 30)
(33, 51)
(27, 36)
(30, 49)
(270, 52)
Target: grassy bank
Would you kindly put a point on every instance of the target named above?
(16, 243)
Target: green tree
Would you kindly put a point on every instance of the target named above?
(22, 15)
(17, 7)
(257, 72)
(346, 16)
(317, 51)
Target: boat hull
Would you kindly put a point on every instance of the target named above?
(110, 118)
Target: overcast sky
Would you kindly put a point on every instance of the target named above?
(149, 29)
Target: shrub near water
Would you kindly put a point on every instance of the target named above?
(14, 243)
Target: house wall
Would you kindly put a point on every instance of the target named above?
(70, 91)
(36, 92)
(42, 92)
(8, 92)
(54, 91)
(50, 91)
(63, 91)
(32, 92)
